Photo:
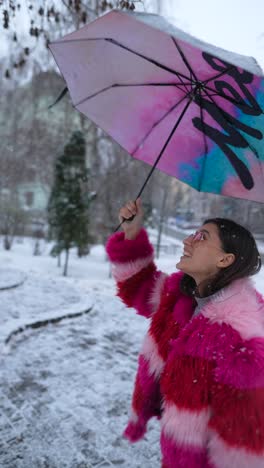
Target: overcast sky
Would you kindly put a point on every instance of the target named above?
(236, 25)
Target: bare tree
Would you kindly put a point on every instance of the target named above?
(48, 19)
(13, 220)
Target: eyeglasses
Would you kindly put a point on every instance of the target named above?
(197, 236)
(200, 236)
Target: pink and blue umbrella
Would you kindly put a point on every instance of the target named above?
(190, 109)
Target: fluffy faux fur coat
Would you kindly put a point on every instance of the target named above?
(202, 376)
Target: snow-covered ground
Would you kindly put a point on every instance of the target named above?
(65, 388)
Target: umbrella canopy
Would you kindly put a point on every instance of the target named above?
(191, 109)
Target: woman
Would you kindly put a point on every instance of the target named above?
(201, 367)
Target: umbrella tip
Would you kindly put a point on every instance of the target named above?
(59, 98)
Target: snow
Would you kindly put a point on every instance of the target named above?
(65, 388)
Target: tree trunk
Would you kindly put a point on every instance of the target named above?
(7, 242)
(66, 263)
(36, 251)
(59, 260)
(247, 211)
(158, 7)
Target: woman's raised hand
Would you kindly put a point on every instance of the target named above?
(132, 209)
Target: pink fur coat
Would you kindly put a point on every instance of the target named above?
(202, 376)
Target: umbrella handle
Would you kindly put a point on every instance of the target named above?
(124, 221)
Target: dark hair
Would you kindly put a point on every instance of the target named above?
(234, 239)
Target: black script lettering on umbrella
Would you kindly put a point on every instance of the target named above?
(242, 78)
(229, 124)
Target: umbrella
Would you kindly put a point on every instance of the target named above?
(190, 109)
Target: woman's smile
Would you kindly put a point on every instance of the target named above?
(186, 254)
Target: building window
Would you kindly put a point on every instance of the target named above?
(29, 198)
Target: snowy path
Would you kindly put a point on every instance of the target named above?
(65, 393)
(65, 389)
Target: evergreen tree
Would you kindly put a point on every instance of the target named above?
(68, 208)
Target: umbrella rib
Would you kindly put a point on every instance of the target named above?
(118, 44)
(184, 59)
(204, 139)
(218, 75)
(184, 84)
(213, 94)
(155, 62)
(165, 146)
(231, 123)
(157, 123)
(119, 85)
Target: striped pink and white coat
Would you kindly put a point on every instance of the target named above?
(202, 376)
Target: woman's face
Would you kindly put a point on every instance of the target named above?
(203, 255)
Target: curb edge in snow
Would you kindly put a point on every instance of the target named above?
(44, 323)
(13, 286)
